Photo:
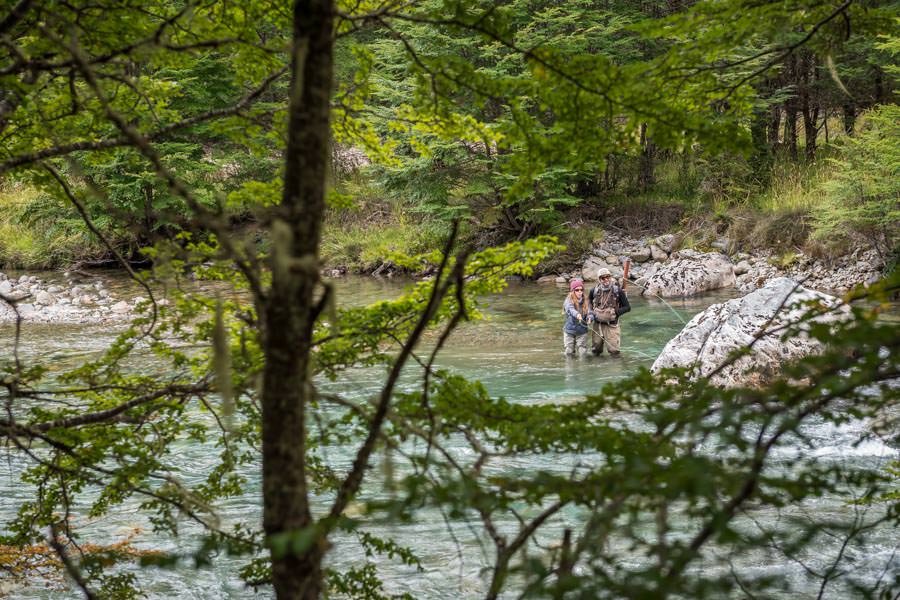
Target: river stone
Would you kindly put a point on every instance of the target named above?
(646, 273)
(44, 298)
(690, 276)
(641, 255)
(687, 253)
(5, 287)
(742, 267)
(591, 266)
(121, 307)
(666, 242)
(657, 253)
(707, 340)
(722, 244)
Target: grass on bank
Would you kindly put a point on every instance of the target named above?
(37, 232)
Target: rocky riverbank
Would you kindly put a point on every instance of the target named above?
(660, 267)
(38, 301)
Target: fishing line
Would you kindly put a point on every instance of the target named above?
(661, 299)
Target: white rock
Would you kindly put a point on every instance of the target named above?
(44, 298)
(5, 287)
(121, 307)
(641, 255)
(666, 242)
(590, 267)
(742, 267)
(690, 276)
(657, 253)
(710, 337)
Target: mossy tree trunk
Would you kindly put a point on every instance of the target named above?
(289, 310)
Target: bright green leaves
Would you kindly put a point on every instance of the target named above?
(863, 190)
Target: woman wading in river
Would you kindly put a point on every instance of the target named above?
(578, 315)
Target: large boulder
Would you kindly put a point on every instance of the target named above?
(641, 254)
(592, 265)
(710, 337)
(691, 273)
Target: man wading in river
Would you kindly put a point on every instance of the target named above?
(608, 302)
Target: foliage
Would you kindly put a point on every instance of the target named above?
(36, 234)
(862, 191)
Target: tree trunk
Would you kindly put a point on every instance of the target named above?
(761, 148)
(849, 118)
(810, 130)
(791, 110)
(790, 127)
(774, 129)
(645, 169)
(289, 311)
(810, 114)
(881, 93)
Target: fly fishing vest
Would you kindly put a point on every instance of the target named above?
(606, 304)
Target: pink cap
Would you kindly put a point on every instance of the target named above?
(576, 283)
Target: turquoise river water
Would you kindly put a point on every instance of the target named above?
(517, 354)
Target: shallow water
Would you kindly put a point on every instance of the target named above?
(516, 353)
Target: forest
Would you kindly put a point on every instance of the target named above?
(262, 424)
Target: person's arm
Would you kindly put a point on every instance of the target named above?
(569, 308)
(624, 307)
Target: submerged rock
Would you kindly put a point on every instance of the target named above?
(710, 337)
(690, 274)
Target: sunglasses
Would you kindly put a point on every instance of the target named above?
(579, 289)
(606, 277)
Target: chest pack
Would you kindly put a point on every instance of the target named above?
(605, 303)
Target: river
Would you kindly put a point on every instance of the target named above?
(516, 353)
